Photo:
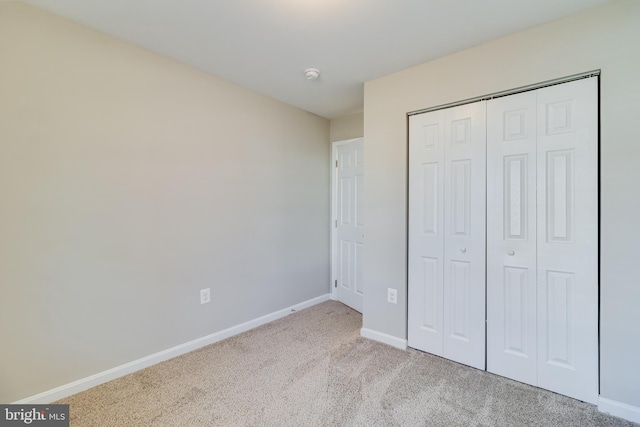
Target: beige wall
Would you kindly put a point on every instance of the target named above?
(605, 38)
(128, 182)
(347, 127)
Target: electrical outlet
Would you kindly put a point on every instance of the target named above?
(392, 295)
(205, 296)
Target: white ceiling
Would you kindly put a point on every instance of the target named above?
(266, 45)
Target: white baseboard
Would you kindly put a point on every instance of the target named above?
(619, 409)
(136, 365)
(384, 338)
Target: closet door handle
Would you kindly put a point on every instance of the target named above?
(463, 250)
(511, 253)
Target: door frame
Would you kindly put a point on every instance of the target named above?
(333, 171)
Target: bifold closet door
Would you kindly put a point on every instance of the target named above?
(447, 201)
(568, 239)
(542, 238)
(511, 237)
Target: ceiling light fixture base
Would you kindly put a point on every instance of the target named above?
(312, 73)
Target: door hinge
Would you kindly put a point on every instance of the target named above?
(336, 223)
(335, 283)
(336, 163)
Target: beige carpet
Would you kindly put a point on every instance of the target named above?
(313, 369)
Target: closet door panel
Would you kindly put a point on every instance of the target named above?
(511, 237)
(567, 219)
(426, 231)
(464, 231)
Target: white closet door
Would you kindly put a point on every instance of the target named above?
(447, 152)
(567, 226)
(542, 238)
(511, 237)
(426, 231)
(464, 231)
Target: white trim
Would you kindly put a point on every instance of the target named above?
(334, 214)
(136, 365)
(384, 338)
(619, 409)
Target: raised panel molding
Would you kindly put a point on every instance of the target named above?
(559, 117)
(429, 203)
(461, 197)
(345, 271)
(345, 197)
(359, 205)
(515, 125)
(430, 136)
(358, 278)
(515, 197)
(431, 301)
(461, 132)
(460, 294)
(516, 282)
(560, 191)
(559, 318)
(359, 157)
(344, 161)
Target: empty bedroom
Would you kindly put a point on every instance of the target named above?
(319, 212)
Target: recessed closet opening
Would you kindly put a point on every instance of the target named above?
(503, 234)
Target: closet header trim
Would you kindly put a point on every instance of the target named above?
(588, 74)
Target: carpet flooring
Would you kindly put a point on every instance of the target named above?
(312, 368)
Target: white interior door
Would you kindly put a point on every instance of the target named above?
(447, 233)
(568, 239)
(542, 238)
(511, 237)
(350, 222)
